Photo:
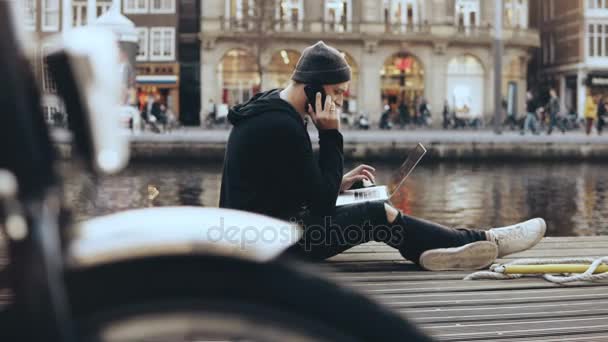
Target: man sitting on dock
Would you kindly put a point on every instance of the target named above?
(269, 168)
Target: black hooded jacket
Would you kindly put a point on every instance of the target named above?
(269, 166)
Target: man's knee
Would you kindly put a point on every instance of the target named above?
(391, 213)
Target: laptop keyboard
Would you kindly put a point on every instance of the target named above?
(370, 194)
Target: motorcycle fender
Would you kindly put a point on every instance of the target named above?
(167, 231)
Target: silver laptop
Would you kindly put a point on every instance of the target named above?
(380, 192)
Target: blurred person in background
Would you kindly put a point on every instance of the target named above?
(446, 115)
(553, 109)
(591, 109)
(404, 114)
(602, 114)
(531, 109)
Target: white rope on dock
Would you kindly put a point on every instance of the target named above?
(497, 271)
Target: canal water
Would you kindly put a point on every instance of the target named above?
(572, 197)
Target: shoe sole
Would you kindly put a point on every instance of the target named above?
(472, 256)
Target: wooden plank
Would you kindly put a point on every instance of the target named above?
(490, 297)
(583, 337)
(459, 286)
(518, 328)
(479, 313)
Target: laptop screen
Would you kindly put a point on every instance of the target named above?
(409, 164)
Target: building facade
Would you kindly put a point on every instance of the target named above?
(399, 50)
(156, 23)
(157, 64)
(573, 58)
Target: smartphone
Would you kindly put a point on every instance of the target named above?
(311, 93)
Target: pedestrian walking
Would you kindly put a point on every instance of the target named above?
(553, 108)
(531, 119)
(602, 114)
(590, 112)
(446, 115)
(404, 114)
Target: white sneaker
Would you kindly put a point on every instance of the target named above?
(518, 237)
(472, 256)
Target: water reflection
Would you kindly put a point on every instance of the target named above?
(571, 197)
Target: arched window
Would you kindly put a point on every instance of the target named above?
(402, 77)
(282, 64)
(239, 76)
(465, 86)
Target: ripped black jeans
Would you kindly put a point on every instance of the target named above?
(355, 224)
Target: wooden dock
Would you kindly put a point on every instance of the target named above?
(452, 309)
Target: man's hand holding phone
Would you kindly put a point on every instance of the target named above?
(324, 116)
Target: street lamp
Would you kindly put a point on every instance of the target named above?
(498, 47)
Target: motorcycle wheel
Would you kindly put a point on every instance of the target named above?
(223, 299)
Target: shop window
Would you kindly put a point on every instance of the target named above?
(50, 15)
(162, 43)
(135, 6)
(162, 6)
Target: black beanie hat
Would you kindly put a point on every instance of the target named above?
(321, 64)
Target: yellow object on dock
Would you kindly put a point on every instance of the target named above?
(552, 268)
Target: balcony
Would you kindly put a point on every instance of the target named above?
(253, 28)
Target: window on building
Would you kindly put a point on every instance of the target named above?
(162, 6)
(50, 15)
(401, 14)
(338, 15)
(48, 83)
(29, 9)
(103, 7)
(162, 43)
(79, 13)
(135, 6)
(597, 4)
(142, 52)
(597, 40)
(467, 14)
(289, 14)
(240, 13)
(516, 13)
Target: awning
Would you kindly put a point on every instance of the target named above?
(156, 79)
